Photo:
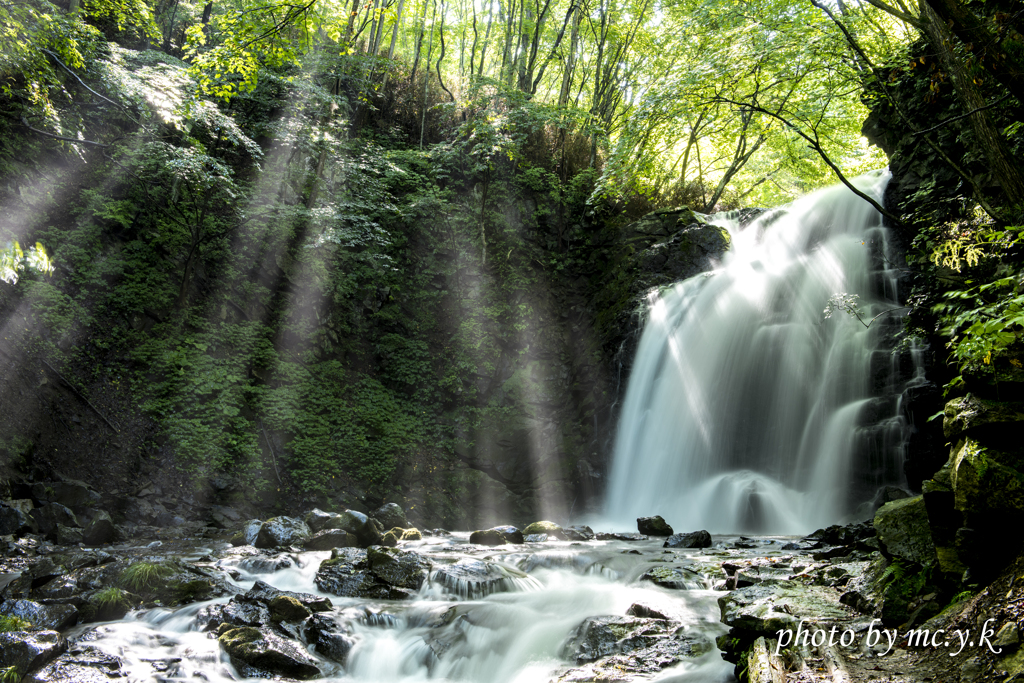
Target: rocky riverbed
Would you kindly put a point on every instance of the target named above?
(332, 596)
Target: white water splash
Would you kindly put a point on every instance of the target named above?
(745, 407)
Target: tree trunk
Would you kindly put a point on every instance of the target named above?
(988, 137)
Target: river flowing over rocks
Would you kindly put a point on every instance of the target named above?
(563, 604)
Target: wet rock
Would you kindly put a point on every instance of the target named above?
(282, 531)
(264, 650)
(487, 537)
(838, 534)
(970, 414)
(579, 533)
(251, 531)
(599, 637)
(638, 609)
(472, 578)
(510, 533)
(390, 539)
(80, 665)
(287, 608)
(365, 529)
(224, 517)
(71, 494)
(49, 516)
(68, 535)
(331, 538)
(27, 651)
(622, 647)
(653, 526)
(904, 531)
(48, 617)
(626, 536)
(398, 568)
(349, 574)
(100, 530)
(317, 520)
(237, 612)
(265, 593)
(695, 539)
(640, 664)
(391, 515)
(13, 521)
(535, 538)
(412, 535)
(674, 577)
(545, 527)
(330, 639)
(266, 564)
(767, 608)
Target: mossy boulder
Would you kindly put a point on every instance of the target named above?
(904, 531)
(412, 535)
(262, 650)
(282, 531)
(331, 538)
(487, 537)
(287, 608)
(545, 527)
(391, 515)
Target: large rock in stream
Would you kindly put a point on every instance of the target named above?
(281, 531)
(624, 648)
(378, 572)
(256, 651)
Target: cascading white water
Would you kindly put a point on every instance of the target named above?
(745, 409)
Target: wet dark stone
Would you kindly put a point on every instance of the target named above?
(653, 526)
(638, 609)
(391, 515)
(48, 516)
(263, 650)
(579, 533)
(28, 651)
(628, 536)
(262, 592)
(331, 538)
(487, 537)
(695, 539)
(49, 617)
(330, 639)
(266, 564)
(510, 533)
(237, 612)
(80, 665)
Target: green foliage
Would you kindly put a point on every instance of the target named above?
(14, 262)
(246, 40)
(141, 576)
(112, 597)
(10, 674)
(10, 623)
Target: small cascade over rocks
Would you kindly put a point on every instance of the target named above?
(750, 409)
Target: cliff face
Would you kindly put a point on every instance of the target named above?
(292, 306)
(968, 464)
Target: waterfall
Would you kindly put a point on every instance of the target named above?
(747, 409)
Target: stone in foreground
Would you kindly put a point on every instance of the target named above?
(263, 650)
(653, 526)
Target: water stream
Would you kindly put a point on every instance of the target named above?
(747, 410)
(515, 635)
